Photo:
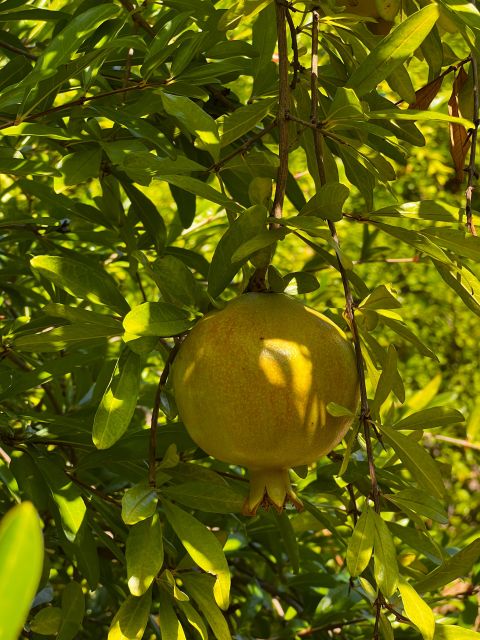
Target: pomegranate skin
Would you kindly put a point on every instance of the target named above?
(252, 383)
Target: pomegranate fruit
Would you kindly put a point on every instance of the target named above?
(252, 383)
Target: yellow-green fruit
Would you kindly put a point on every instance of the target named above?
(252, 383)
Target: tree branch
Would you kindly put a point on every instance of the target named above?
(471, 169)
(152, 449)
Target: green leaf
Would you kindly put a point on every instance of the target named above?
(170, 626)
(381, 298)
(387, 379)
(119, 401)
(385, 565)
(465, 284)
(144, 554)
(419, 116)
(194, 619)
(21, 562)
(420, 464)
(360, 545)
(419, 502)
(417, 610)
(65, 494)
(327, 203)
(337, 410)
(81, 166)
(289, 539)
(203, 547)
(47, 621)
(200, 587)
(222, 270)
(454, 632)
(80, 316)
(148, 214)
(199, 188)
(195, 120)
(403, 331)
(175, 281)
(82, 280)
(205, 497)
(131, 619)
(457, 566)
(431, 418)
(393, 50)
(67, 336)
(60, 49)
(49, 370)
(261, 241)
(73, 610)
(159, 319)
(138, 503)
(242, 120)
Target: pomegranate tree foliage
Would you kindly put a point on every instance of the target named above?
(141, 147)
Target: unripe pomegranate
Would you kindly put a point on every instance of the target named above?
(252, 383)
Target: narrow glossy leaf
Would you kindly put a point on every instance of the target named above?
(65, 494)
(138, 503)
(175, 281)
(417, 240)
(393, 50)
(360, 545)
(419, 116)
(21, 562)
(203, 547)
(242, 120)
(67, 336)
(337, 410)
(455, 240)
(82, 280)
(457, 566)
(454, 632)
(202, 495)
(159, 319)
(385, 565)
(169, 623)
(385, 627)
(421, 503)
(195, 120)
(417, 610)
(222, 270)
(199, 188)
(200, 587)
(289, 539)
(195, 620)
(465, 284)
(387, 378)
(148, 214)
(431, 418)
(60, 49)
(420, 464)
(403, 331)
(73, 610)
(382, 298)
(80, 316)
(131, 619)
(119, 401)
(144, 554)
(49, 370)
(257, 243)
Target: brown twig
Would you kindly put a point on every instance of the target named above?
(244, 147)
(137, 17)
(14, 49)
(457, 442)
(152, 449)
(79, 102)
(310, 631)
(296, 62)
(94, 490)
(471, 169)
(283, 108)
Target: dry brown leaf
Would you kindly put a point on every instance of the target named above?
(425, 95)
(459, 140)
